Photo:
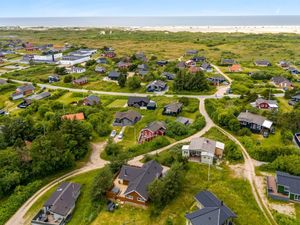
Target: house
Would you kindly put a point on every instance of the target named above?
(83, 52)
(91, 100)
(128, 118)
(262, 63)
(26, 89)
(281, 82)
(183, 120)
(17, 96)
(194, 69)
(102, 61)
(143, 67)
(227, 62)
(206, 67)
(203, 150)
(80, 81)
(114, 75)
(284, 64)
(38, 97)
(154, 129)
(261, 103)
(294, 100)
(181, 65)
(284, 186)
(49, 57)
(168, 76)
(216, 80)
(30, 47)
(75, 69)
(58, 209)
(25, 103)
(2, 82)
(123, 65)
(131, 184)
(211, 211)
(190, 63)
(162, 62)
(138, 102)
(53, 78)
(110, 54)
(256, 123)
(151, 105)
(71, 60)
(100, 69)
(157, 86)
(191, 52)
(293, 70)
(198, 59)
(235, 68)
(77, 116)
(173, 109)
(141, 56)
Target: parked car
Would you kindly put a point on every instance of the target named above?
(120, 136)
(113, 133)
(111, 206)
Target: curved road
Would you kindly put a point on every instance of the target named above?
(96, 162)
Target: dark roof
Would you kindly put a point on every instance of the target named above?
(135, 99)
(63, 199)
(296, 97)
(262, 62)
(27, 87)
(213, 213)
(228, 61)
(286, 179)
(114, 74)
(198, 58)
(130, 115)
(141, 179)
(39, 96)
(157, 83)
(169, 76)
(192, 52)
(143, 67)
(251, 118)
(156, 125)
(205, 66)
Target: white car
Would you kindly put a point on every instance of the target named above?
(113, 133)
(120, 136)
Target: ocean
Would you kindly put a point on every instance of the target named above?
(152, 21)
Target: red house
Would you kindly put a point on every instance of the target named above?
(110, 54)
(261, 103)
(30, 47)
(154, 129)
(80, 81)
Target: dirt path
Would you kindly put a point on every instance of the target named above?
(95, 162)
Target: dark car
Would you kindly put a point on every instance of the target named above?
(111, 206)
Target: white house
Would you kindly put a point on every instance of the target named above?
(73, 60)
(204, 150)
(51, 57)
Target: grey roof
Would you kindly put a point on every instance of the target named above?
(169, 76)
(251, 118)
(228, 61)
(205, 66)
(114, 74)
(141, 179)
(262, 62)
(39, 96)
(2, 81)
(286, 179)
(157, 125)
(204, 144)
(296, 97)
(174, 107)
(192, 52)
(261, 100)
(157, 83)
(215, 212)
(183, 120)
(143, 67)
(278, 80)
(135, 99)
(82, 79)
(92, 99)
(131, 115)
(181, 64)
(63, 199)
(27, 87)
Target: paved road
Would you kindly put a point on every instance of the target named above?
(96, 162)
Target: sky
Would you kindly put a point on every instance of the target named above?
(79, 8)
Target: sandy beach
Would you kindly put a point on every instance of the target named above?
(224, 29)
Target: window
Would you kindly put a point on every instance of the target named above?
(297, 197)
(129, 197)
(286, 189)
(140, 200)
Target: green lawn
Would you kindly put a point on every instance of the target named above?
(118, 103)
(235, 192)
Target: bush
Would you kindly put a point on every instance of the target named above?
(175, 129)
(232, 153)
(269, 154)
(244, 132)
(112, 149)
(289, 164)
(134, 82)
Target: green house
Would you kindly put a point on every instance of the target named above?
(288, 185)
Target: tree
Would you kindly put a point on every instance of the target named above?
(176, 129)
(134, 82)
(68, 79)
(101, 184)
(112, 149)
(122, 80)
(190, 82)
(232, 153)
(90, 63)
(60, 70)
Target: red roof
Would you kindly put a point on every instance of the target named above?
(77, 116)
(235, 68)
